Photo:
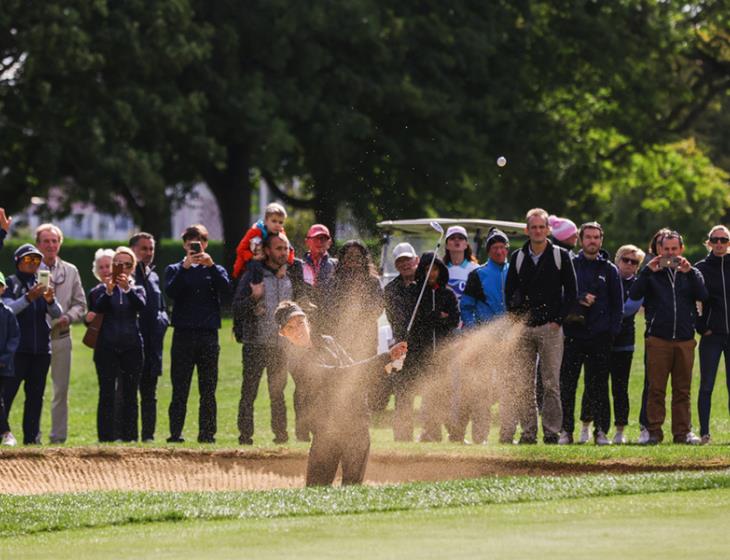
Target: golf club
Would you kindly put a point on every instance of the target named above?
(397, 365)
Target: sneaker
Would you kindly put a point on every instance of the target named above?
(705, 440)
(619, 438)
(550, 439)
(245, 441)
(173, 439)
(281, 440)
(527, 440)
(601, 439)
(565, 438)
(9, 439)
(585, 433)
(691, 439)
(643, 436)
(206, 439)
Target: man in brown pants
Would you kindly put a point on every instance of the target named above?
(334, 390)
(670, 287)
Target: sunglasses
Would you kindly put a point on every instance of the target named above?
(719, 240)
(123, 264)
(30, 259)
(627, 260)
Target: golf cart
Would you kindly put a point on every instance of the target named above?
(424, 234)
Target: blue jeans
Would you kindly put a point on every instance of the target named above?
(711, 348)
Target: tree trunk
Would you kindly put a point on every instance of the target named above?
(326, 204)
(232, 191)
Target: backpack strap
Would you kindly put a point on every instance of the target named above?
(520, 259)
(557, 258)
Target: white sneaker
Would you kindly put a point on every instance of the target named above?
(565, 438)
(619, 438)
(601, 439)
(9, 439)
(585, 433)
(643, 436)
(692, 439)
(705, 440)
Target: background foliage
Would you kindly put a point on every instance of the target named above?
(607, 110)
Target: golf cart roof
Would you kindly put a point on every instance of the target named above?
(422, 225)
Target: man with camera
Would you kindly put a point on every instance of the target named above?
(671, 287)
(540, 285)
(590, 326)
(195, 285)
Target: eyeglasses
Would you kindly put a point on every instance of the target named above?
(126, 265)
(30, 259)
(627, 260)
(714, 240)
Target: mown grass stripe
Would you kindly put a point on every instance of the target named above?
(58, 512)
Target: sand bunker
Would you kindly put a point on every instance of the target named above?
(87, 469)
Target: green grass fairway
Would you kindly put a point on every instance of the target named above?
(667, 526)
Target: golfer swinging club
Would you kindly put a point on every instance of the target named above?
(335, 397)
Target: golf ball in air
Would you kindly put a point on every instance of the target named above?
(501, 161)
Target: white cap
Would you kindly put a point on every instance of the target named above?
(454, 230)
(403, 250)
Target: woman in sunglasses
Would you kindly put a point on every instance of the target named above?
(628, 259)
(32, 302)
(118, 351)
(714, 323)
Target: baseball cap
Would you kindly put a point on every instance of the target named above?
(318, 229)
(26, 249)
(456, 230)
(285, 311)
(403, 250)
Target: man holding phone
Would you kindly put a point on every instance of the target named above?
(65, 279)
(670, 286)
(195, 285)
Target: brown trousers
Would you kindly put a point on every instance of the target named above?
(665, 357)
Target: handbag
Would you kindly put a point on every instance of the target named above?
(92, 331)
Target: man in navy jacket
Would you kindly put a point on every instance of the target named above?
(671, 288)
(195, 285)
(153, 323)
(589, 331)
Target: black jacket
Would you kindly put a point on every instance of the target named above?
(670, 301)
(627, 335)
(429, 326)
(716, 272)
(600, 278)
(153, 320)
(333, 387)
(545, 293)
(398, 307)
(120, 327)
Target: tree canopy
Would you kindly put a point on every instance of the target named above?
(608, 110)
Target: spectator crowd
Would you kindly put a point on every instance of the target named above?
(316, 317)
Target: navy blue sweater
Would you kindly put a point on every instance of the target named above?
(153, 320)
(670, 301)
(120, 327)
(600, 278)
(196, 293)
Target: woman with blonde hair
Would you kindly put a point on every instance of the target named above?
(714, 323)
(118, 352)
